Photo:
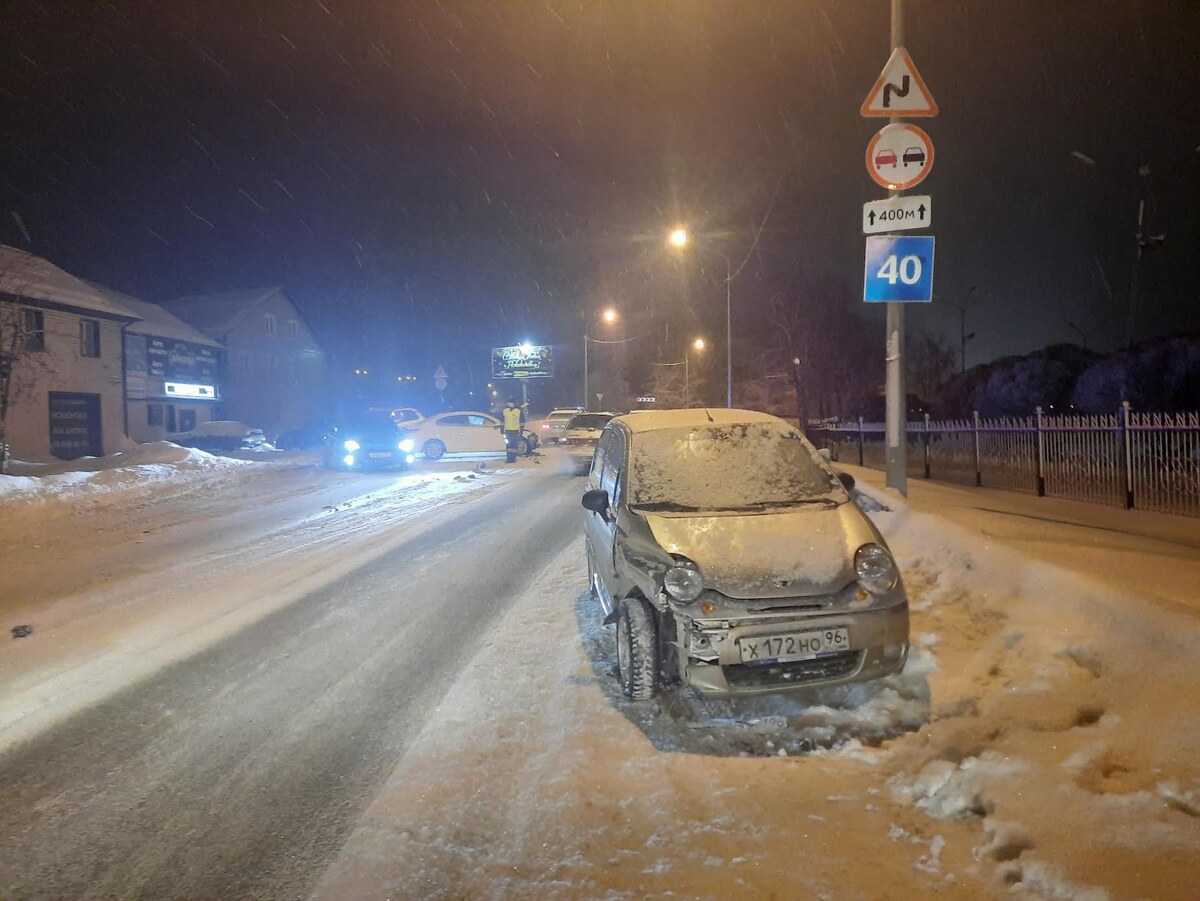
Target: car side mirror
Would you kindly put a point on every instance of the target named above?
(596, 500)
(847, 480)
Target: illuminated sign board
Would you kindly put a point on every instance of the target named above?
(182, 389)
(523, 361)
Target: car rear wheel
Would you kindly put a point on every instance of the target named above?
(434, 449)
(637, 650)
(523, 446)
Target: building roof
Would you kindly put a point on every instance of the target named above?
(24, 275)
(653, 420)
(154, 320)
(218, 314)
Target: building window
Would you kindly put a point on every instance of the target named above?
(89, 338)
(34, 327)
(270, 325)
(293, 329)
(154, 414)
(187, 420)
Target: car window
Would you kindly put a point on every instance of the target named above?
(589, 421)
(602, 450)
(477, 420)
(612, 465)
(739, 466)
(452, 420)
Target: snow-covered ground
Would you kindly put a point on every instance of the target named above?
(120, 565)
(1040, 744)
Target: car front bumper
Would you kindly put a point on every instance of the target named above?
(710, 662)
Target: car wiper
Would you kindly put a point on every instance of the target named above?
(664, 506)
(775, 505)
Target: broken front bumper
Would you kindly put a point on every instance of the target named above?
(709, 659)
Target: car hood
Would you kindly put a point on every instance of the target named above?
(798, 552)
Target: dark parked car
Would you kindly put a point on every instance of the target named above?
(221, 436)
(368, 442)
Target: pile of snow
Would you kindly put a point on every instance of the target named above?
(144, 465)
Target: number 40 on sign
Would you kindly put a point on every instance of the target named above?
(898, 269)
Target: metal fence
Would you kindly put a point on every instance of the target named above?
(1148, 461)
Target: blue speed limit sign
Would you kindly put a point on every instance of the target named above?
(899, 268)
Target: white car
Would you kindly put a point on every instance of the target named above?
(579, 439)
(549, 430)
(461, 432)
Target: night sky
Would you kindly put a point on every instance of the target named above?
(431, 178)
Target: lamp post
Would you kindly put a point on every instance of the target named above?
(608, 317)
(679, 238)
(697, 345)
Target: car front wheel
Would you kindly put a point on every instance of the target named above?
(434, 449)
(637, 650)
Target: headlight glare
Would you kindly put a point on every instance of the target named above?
(407, 445)
(351, 445)
(875, 568)
(683, 582)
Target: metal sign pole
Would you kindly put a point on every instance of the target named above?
(896, 399)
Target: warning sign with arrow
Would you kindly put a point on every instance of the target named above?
(902, 213)
(900, 90)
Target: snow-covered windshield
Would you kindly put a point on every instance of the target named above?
(589, 421)
(739, 466)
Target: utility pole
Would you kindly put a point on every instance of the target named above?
(896, 453)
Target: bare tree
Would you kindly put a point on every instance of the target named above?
(931, 364)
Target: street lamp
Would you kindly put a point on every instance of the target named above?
(609, 317)
(1142, 240)
(697, 345)
(678, 238)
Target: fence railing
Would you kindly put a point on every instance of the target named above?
(1148, 461)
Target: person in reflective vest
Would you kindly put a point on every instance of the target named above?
(514, 418)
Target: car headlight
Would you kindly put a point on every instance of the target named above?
(348, 459)
(683, 581)
(351, 445)
(875, 568)
(407, 445)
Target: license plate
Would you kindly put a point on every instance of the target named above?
(380, 454)
(792, 646)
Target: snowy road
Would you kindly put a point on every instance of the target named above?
(238, 771)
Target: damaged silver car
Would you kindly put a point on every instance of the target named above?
(732, 559)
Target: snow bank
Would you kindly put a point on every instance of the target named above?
(89, 477)
(1060, 708)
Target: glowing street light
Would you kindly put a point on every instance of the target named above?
(609, 315)
(678, 237)
(699, 344)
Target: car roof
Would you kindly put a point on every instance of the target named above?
(655, 420)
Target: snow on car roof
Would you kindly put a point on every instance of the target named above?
(653, 420)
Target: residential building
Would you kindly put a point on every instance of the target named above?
(60, 362)
(276, 371)
(173, 372)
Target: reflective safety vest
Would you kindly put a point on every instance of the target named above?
(512, 419)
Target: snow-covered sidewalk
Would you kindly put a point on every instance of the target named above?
(1042, 742)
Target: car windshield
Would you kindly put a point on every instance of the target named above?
(740, 466)
(378, 428)
(589, 421)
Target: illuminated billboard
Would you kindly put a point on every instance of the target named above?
(522, 361)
